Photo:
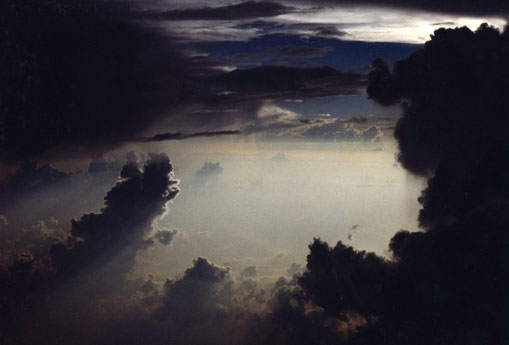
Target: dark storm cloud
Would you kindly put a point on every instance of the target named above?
(454, 126)
(242, 10)
(237, 96)
(91, 79)
(448, 283)
(342, 280)
(78, 74)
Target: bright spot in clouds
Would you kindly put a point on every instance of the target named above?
(360, 23)
(378, 24)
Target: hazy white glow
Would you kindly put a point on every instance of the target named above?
(385, 24)
(375, 24)
(264, 210)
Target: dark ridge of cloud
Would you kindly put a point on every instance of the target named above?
(181, 136)
(443, 23)
(283, 52)
(328, 31)
(242, 10)
(308, 30)
(76, 75)
(276, 82)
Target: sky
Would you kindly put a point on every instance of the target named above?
(247, 172)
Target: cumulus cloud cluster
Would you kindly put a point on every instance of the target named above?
(99, 250)
(276, 122)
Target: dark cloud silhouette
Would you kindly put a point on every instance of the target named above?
(454, 94)
(342, 280)
(124, 223)
(91, 261)
(241, 10)
(443, 23)
(181, 136)
(79, 73)
(448, 283)
(330, 31)
(92, 78)
(203, 293)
